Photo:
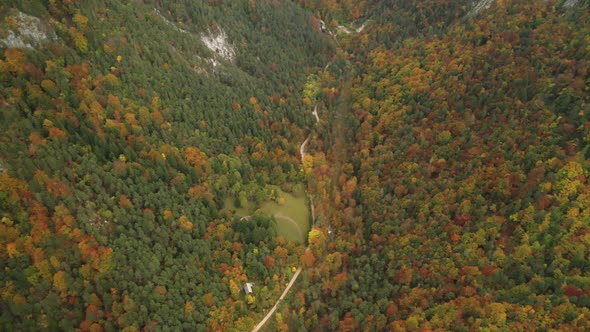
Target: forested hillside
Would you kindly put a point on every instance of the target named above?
(452, 177)
(125, 128)
(150, 155)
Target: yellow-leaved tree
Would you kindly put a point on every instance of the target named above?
(59, 282)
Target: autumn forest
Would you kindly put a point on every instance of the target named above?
(407, 165)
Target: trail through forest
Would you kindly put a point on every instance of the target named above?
(303, 153)
(274, 308)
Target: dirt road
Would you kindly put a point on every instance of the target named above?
(269, 314)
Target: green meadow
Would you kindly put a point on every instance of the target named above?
(289, 209)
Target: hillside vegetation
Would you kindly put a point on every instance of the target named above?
(124, 128)
(151, 160)
(460, 199)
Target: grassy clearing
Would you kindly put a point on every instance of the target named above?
(292, 215)
(229, 204)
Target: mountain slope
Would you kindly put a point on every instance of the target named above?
(461, 200)
(124, 133)
(140, 142)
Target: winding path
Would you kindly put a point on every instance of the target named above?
(303, 152)
(302, 149)
(315, 109)
(272, 311)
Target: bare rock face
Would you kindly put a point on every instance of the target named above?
(218, 43)
(28, 31)
(480, 5)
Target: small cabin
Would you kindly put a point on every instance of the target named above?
(248, 288)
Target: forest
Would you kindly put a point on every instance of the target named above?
(122, 136)
(452, 172)
(150, 155)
